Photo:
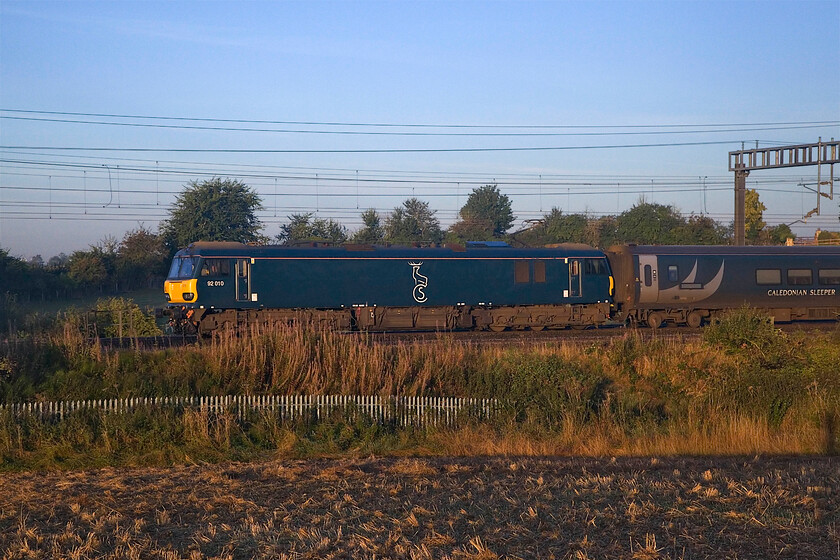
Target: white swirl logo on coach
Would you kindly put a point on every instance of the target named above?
(420, 282)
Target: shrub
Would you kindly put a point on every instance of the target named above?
(122, 317)
(748, 329)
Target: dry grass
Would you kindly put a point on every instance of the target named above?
(723, 435)
(621, 396)
(425, 508)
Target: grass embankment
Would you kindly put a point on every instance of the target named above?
(744, 388)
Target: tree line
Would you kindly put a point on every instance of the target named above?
(226, 210)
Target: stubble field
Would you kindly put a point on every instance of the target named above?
(433, 507)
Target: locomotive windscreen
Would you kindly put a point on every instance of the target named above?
(183, 267)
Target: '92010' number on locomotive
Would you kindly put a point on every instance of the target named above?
(215, 283)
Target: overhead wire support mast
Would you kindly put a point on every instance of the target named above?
(741, 162)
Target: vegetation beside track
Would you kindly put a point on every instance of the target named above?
(743, 388)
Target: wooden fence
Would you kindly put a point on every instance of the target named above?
(402, 411)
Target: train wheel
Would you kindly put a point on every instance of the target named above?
(654, 320)
(537, 328)
(694, 319)
(497, 328)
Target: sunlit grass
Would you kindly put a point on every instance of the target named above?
(745, 388)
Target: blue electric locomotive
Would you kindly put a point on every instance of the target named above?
(216, 285)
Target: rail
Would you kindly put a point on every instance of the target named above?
(403, 411)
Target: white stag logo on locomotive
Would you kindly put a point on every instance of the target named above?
(420, 282)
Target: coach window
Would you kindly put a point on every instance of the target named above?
(829, 276)
(768, 276)
(539, 272)
(673, 273)
(800, 277)
(648, 276)
(521, 272)
(215, 268)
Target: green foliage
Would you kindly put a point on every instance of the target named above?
(745, 329)
(470, 229)
(372, 231)
(779, 234)
(828, 238)
(10, 313)
(543, 390)
(306, 227)
(487, 214)
(629, 387)
(13, 273)
(142, 258)
(413, 222)
(602, 232)
(701, 230)
(753, 215)
(89, 268)
(122, 317)
(556, 227)
(645, 223)
(213, 210)
(649, 224)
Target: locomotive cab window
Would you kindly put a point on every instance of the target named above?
(768, 276)
(829, 276)
(595, 267)
(799, 276)
(215, 268)
(522, 272)
(673, 273)
(183, 267)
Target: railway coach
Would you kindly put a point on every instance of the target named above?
(213, 285)
(690, 284)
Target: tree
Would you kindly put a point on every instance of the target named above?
(753, 214)
(649, 224)
(372, 231)
(306, 227)
(486, 214)
(88, 268)
(602, 232)
(471, 229)
(701, 230)
(778, 235)
(213, 210)
(58, 261)
(141, 257)
(413, 222)
(556, 227)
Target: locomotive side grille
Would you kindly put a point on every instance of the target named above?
(821, 313)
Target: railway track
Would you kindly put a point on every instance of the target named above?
(513, 337)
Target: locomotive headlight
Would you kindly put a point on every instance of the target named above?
(166, 295)
(188, 296)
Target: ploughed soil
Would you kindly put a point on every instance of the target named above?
(434, 507)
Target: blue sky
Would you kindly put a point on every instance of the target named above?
(593, 64)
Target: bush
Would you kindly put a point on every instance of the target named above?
(122, 317)
(748, 329)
